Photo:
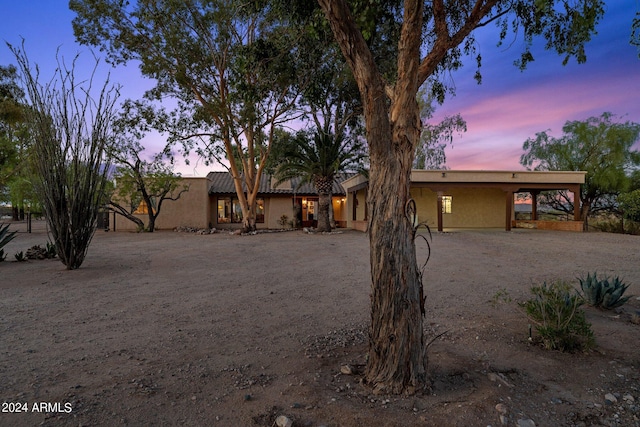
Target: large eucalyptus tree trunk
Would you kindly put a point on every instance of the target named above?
(397, 360)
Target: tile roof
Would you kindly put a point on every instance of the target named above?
(222, 183)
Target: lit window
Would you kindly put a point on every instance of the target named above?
(229, 210)
(143, 209)
(446, 204)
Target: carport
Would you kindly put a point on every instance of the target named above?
(486, 198)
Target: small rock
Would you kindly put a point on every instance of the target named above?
(628, 398)
(502, 408)
(347, 370)
(283, 421)
(247, 397)
(504, 420)
(526, 423)
(610, 399)
(498, 377)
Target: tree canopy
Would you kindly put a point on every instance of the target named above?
(601, 146)
(229, 65)
(15, 179)
(317, 158)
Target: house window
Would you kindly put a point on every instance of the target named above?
(446, 204)
(143, 209)
(260, 211)
(229, 210)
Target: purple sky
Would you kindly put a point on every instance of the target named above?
(501, 113)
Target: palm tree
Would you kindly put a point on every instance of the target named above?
(318, 160)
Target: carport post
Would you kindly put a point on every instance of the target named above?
(439, 209)
(509, 207)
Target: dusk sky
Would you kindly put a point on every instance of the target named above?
(501, 113)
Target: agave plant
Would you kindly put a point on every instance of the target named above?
(5, 237)
(606, 293)
(51, 250)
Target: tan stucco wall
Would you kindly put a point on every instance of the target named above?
(275, 207)
(359, 223)
(191, 210)
(426, 206)
(475, 207)
(472, 207)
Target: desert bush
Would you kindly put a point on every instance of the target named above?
(20, 256)
(283, 221)
(38, 252)
(603, 293)
(555, 311)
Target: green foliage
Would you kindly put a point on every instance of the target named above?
(51, 250)
(15, 142)
(20, 256)
(434, 138)
(600, 146)
(501, 296)
(319, 157)
(555, 311)
(603, 293)
(5, 235)
(629, 204)
(231, 66)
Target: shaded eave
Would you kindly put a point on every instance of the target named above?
(516, 181)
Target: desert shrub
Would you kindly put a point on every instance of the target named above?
(605, 293)
(500, 297)
(283, 221)
(71, 131)
(20, 256)
(555, 311)
(38, 252)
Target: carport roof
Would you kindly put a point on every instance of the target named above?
(514, 180)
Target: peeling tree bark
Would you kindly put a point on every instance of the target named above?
(397, 362)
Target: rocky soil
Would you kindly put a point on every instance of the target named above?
(197, 329)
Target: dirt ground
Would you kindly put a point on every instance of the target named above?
(176, 328)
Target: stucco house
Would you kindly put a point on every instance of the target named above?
(471, 199)
(444, 199)
(211, 202)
